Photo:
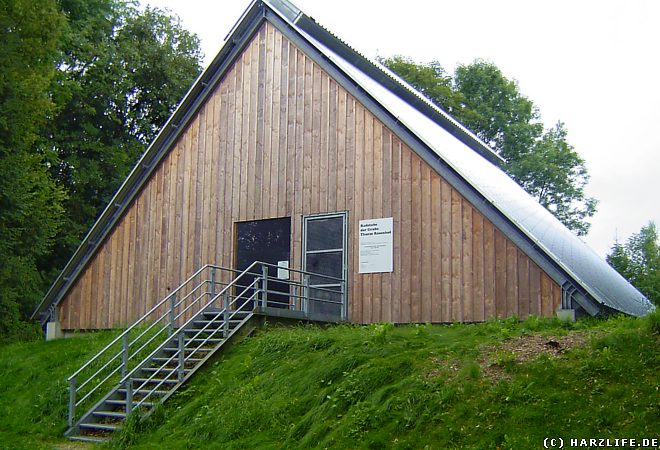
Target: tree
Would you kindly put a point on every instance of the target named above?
(490, 105)
(30, 201)
(430, 79)
(121, 74)
(638, 260)
(556, 176)
(84, 86)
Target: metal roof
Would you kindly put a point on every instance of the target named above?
(577, 259)
(474, 164)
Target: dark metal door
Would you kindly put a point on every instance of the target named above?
(267, 241)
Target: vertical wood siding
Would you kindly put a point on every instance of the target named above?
(279, 138)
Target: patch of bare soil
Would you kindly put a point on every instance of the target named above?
(495, 359)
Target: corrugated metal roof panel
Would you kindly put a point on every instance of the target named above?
(595, 275)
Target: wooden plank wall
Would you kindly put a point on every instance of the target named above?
(279, 138)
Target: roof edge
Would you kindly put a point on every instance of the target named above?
(398, 86)
(518, 233)
(159, 147)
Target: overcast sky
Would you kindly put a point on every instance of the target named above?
(595, 65)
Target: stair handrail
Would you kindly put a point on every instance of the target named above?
(127, 379)
(122, 357)
(201, 311)
(138, 321)
(203, 300)
(130, 356)
(300, 271)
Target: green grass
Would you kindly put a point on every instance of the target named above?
(34, 399)
(376, 386)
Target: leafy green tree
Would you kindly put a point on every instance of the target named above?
(490, 105)
(638, 260)
(121, 74)
(430, 79)
(30, 201)
(496, 111)
(84, 86)
(556, 176)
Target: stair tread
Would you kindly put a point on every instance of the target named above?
(218, 320)
(99, 426)
(188, 350)
(155, 380)
(123, 403)
(162, 369)
(160, 358)
(143, 391)
(200, 339)
(217, 334)
(203, 329)
(91, 439)
(110, 414)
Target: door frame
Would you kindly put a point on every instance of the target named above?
(303, 253)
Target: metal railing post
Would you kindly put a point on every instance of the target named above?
(182, 357)
(129, 396)
(305, 302)
(170, 328)
(72, 400)
(343, 299)
(225, 300)
(225, 318)
(212, 283)
(264, 285)
(294, 299)
(124, 355)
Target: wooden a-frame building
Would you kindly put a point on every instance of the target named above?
(297, 146)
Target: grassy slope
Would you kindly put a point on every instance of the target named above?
(33, 386)
(375, 387)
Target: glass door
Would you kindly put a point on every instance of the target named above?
(324, 254)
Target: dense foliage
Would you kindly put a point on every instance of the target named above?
(638, 260)
(30, 200)
(121, 74)
(490, 105)
(84, 86)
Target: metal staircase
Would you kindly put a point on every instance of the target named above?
(157, 354)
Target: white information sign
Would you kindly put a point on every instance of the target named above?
(282, 272)
(376, 245)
